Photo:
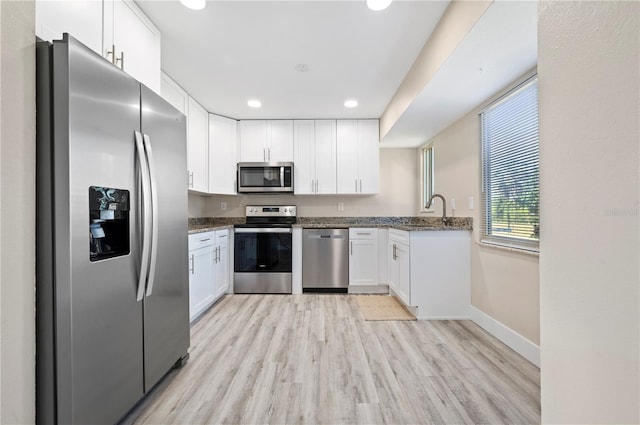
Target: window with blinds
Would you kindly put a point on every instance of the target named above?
(426, 183)
(510, 169)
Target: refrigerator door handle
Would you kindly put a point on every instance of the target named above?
(146, 212)
(154, 213)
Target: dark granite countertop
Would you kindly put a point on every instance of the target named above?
(199, 225)
(399, 223)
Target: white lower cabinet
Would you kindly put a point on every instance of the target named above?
(208, 269)
(363, 256)
(221, 274)
(430, 271)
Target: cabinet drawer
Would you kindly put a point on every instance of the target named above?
(222, 236)
(201, 240)
(363, 233)
(400, 236)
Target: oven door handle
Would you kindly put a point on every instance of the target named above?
(263, 230)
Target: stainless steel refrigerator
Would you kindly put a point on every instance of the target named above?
(112, 283)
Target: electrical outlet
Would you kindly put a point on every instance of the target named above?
(340, 206)
(471, 203)
(223, 206)
(453, 204)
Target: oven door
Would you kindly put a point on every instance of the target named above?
(262, 260)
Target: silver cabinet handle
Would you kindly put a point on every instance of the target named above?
(356, 185)
(269, 152)
(154, 213)
(114, 58)
(192, 268)
(264, 154)
(190, 178)
(351, 248)
(204, 240)
(360, 185)
(395, 256)
(312, 187)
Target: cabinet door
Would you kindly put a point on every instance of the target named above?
(399, 277)
(201, 290)
(347, 156)
(304, 157)
(253, 141)
(223, 140)
(222, 275)
(173, 93)
(128, 29)
(325, 156)
(197, 143)
(280, 144)
(368, 156)
(404, 275)
(81, 19)
(363, 262)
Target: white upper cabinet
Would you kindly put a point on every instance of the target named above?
(253, 141)
(266, 141)
(315, 156)
(136, 41)
(197, 146)
(358, 156)
(304, 157)
(81, 19)
(280, 141)
(102, 24)
(174, 94)
(223, 140)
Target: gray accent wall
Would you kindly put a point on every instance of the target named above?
(17, 211)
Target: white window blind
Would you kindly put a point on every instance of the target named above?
(510, 169)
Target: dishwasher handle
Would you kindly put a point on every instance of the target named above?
(325, 236)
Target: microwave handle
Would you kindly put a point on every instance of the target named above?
(281, 175)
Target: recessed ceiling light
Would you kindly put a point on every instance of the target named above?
(378, 4)
(302, 67)
(351, 103)
(194, 4)
(254, 103)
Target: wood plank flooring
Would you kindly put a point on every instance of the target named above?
(312, 359)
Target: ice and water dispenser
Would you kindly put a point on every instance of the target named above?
(108, 223)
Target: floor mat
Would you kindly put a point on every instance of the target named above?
(382, 307)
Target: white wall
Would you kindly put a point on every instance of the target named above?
(399, 177)
(17, 212)
(589, 88)
(504, 285)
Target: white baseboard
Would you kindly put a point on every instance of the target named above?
(511, 338)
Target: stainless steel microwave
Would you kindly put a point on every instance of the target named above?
(265, 177)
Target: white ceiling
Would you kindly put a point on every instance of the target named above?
(232, 51)
(501, 47)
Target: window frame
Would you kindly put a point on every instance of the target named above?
(486, 235)
(427, 169)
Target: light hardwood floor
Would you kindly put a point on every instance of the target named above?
(312, 359)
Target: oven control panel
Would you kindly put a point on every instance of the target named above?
(270, 210)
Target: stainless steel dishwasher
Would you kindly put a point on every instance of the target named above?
(325, 260)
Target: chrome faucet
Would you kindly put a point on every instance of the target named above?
(445, 220)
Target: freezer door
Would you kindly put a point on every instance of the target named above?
(98, 321)
(166, 303)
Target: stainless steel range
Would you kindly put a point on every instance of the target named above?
(262, 250)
